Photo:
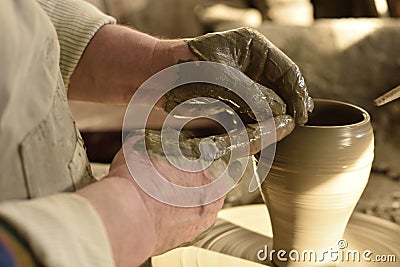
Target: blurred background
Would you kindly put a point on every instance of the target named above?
(348, 50)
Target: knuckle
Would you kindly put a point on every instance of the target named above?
(248, 31)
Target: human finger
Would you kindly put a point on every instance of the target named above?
(257, 136)
(273, 68)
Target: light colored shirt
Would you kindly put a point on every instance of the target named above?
(41, 43)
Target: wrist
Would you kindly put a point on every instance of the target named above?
(167, 53)
(173, 51)
(127, 221)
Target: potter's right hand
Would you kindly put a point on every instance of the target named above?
(173, 225)
(252, 53)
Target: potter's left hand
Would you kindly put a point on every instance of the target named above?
(252, 53)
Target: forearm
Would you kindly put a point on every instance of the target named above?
(125, 217)
(118, 60)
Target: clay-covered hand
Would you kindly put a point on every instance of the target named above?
(174, 225)
(252, 53)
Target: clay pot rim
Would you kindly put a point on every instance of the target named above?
(363, 112)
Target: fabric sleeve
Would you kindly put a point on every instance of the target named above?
(76, 22)
(60, 230)
(14, 251)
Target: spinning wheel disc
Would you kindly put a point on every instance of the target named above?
(240, 232)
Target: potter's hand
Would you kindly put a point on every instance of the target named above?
(167, 226)
(175, 225)
(253, 54)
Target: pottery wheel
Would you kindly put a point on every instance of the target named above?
(240, 232)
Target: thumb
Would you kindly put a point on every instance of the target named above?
(259, 136)
(263, 134)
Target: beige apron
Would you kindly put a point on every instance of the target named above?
(42, 151)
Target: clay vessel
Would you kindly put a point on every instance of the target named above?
(318, 175)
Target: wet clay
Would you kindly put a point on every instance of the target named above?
(318, 174)
(189, 91)
(192, 148)
(252, 53)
